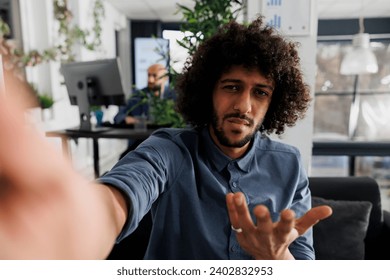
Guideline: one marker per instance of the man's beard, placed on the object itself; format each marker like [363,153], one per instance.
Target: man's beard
[155,88]
[224,140]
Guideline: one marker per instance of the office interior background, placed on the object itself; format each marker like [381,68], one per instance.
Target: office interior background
[331,27]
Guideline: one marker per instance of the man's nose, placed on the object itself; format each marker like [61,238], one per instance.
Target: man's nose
[242,102]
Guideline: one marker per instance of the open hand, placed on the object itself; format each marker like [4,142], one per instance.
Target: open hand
[267,240]
[47,210]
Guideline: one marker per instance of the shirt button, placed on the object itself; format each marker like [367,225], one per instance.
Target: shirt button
[234,184]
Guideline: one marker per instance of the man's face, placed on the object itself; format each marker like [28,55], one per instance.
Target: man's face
[156,77]
[241,98]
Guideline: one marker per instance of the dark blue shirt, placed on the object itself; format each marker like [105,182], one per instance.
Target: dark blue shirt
[183,177]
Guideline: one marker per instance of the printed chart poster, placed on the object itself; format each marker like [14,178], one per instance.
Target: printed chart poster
[291,17]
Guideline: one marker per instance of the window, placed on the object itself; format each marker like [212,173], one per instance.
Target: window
[333,94]
[178,54]
[333,98]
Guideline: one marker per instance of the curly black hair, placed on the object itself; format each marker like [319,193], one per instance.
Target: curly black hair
[253,46]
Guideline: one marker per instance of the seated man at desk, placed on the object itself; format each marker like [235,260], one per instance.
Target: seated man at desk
[138,104]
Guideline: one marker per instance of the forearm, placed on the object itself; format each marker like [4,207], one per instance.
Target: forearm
[120,117]
[114,219]
[131,120]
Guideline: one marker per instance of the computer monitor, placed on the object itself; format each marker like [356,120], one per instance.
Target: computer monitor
[93,83]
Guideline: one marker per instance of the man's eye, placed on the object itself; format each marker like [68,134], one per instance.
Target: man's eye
[231,87]
[259,92]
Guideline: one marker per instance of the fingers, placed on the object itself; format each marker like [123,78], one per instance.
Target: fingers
[233,217]
[287,222]
[240,218]
[238,212]
[281,230]
[312,217]
[263,217]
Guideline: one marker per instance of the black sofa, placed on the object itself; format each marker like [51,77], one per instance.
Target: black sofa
[358,228]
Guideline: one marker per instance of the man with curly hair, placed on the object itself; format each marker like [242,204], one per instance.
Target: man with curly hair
[220,189]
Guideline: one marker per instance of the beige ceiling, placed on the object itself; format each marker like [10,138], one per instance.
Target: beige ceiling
[164,10]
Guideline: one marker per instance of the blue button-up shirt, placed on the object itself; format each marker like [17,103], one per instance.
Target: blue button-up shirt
[183,177]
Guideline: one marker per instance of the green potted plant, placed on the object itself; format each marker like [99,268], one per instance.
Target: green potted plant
[163,113]
[202,20]
[45,101]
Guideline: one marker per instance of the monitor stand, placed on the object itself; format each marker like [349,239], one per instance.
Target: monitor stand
[86,126]
[86,92]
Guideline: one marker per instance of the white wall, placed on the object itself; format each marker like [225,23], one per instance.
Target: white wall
[39,31]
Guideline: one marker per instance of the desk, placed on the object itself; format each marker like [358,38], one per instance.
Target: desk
[352,149]
[110,133]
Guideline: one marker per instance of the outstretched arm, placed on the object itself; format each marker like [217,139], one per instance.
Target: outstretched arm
[47,210]
[267,240]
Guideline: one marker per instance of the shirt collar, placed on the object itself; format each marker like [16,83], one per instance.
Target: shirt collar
[220,160]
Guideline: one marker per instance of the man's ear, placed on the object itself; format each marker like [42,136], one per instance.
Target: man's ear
[163,76]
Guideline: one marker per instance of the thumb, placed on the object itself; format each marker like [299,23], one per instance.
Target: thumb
[312,217]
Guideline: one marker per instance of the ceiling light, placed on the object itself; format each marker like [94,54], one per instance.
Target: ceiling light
[385,80]
[361,59]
